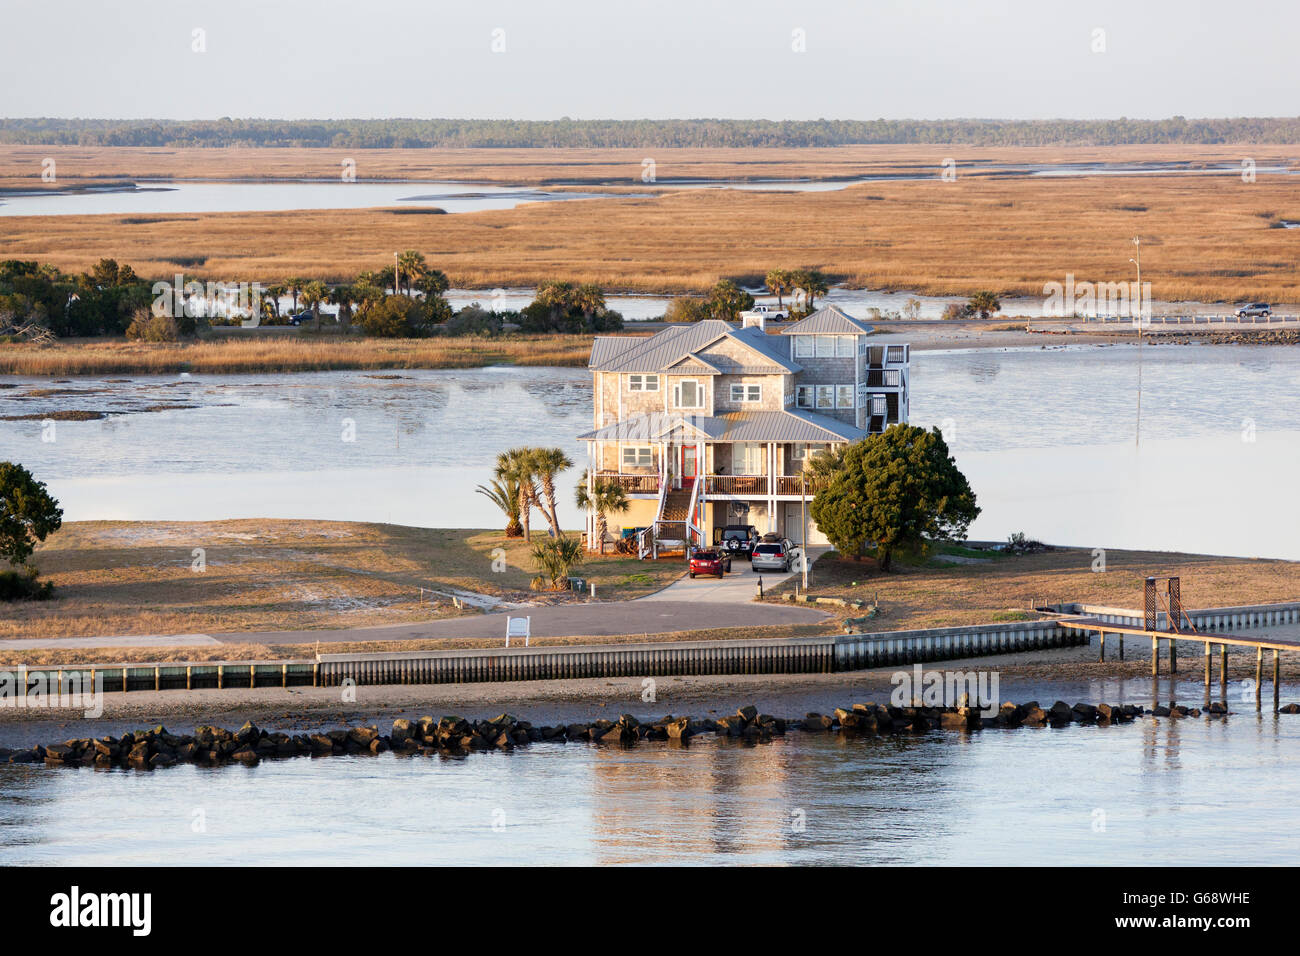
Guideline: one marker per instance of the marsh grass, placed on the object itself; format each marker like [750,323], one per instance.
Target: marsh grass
[278,354]
[1206,238]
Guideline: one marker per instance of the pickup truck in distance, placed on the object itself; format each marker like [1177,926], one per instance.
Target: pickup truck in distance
[767,312]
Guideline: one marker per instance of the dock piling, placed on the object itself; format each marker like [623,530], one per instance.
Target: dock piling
[1276,669]
[1223,672]
[1259,677]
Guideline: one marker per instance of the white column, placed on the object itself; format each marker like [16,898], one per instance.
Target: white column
[771,486]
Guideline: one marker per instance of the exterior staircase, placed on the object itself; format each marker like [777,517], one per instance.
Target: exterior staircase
[677,506]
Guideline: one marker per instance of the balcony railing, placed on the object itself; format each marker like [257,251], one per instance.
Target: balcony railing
[737,485]
[790,484]
[886,378]
[632,484]
[753,486]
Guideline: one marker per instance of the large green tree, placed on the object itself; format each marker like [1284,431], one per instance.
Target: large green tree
[27,513]
[895,490]
[727,300]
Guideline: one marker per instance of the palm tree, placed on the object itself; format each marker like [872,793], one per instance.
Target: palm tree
[589,298]
[517,465]
[433,282]
[778,283]
[547,463]
[295,288]
[505,495]
[823,467]
[313,293]
[410,264]
[603,497]
[557,557]
[345,297]
[275,290]
[813,284]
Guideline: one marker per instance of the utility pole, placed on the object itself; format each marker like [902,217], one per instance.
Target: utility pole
[1137,242]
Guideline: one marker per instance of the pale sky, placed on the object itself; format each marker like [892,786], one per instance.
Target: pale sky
[926,59]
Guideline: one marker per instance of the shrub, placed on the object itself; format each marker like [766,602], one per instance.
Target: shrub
[394,317]
[147,327]
[686,309]
[21,585]
[473,320]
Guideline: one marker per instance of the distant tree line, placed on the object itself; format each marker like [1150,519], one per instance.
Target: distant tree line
[645,133]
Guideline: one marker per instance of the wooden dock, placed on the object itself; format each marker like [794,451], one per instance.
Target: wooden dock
[1208,639]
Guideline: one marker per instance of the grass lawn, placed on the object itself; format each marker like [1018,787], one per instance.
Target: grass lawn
[122,577]
[932,593]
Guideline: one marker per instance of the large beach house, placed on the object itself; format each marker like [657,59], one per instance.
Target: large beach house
[707,425]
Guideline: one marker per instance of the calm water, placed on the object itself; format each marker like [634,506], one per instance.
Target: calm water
[1045,436]
[1123,795]
[173,196]
[857,302]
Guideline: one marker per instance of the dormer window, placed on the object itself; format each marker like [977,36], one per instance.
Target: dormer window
[688,393]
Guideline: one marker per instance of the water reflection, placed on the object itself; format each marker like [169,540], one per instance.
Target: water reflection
[1024,797]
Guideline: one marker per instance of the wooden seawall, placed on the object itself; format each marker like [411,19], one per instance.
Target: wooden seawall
[796,655]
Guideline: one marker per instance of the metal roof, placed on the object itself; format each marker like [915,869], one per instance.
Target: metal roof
[661,351]
[829,320]
[787,425]
[784,426]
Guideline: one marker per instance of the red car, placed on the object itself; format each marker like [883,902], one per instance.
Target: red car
[709,562]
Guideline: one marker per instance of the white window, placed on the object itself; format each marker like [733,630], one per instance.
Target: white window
[844,346]
[825,346]
[825,396]
[637,456]
[746,393]
[805,451]
[843,396]
[804,396]
[803,346]
[688,393]
[747,458]
[643,383]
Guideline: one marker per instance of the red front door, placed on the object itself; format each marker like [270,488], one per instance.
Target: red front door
[688,464]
